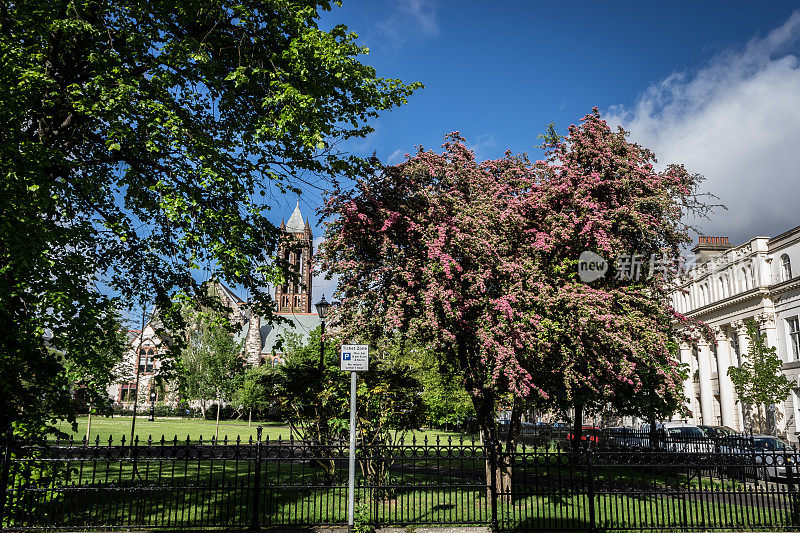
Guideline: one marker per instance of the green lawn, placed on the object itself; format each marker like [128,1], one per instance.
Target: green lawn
[425,487]
[220,492]
[194,428]
[183,428]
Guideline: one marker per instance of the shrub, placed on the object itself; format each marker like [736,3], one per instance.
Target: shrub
[227,412]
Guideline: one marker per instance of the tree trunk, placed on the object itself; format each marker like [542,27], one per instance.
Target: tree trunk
[216,429]
[249,417]
[484,409]
[506,457]
[577,428]
[653,436]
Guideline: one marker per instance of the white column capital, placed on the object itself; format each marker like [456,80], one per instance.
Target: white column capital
[740,326]
[766,320]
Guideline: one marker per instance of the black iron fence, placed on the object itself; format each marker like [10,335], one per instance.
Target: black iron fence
[262,483]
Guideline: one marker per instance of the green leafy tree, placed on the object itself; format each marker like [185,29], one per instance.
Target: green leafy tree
[758,381]
[447,403]
[389,404]
[91,382]
[313,398]
[316,401]
[142,140]
[257,391]
[212,363]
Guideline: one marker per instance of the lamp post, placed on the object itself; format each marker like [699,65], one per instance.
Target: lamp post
[152,404]
[322,310]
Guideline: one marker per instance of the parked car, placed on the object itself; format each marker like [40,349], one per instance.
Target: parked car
[719,431]
[588,433]
[768,457]
[685,438]
[775,454]
[620,437]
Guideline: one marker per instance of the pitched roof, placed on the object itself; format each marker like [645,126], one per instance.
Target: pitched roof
[296,224]
[301,324]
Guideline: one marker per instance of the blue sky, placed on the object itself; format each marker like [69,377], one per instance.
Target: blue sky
[714,85]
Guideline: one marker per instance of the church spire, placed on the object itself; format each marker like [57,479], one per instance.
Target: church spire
[297,249]
[296,224]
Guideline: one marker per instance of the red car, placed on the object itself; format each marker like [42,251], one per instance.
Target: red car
[590,433]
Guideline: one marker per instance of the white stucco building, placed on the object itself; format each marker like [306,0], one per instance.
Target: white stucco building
[728,285]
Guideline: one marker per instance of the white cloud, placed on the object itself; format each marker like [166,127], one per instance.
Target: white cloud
[396,157]
[483,146]
[410,19]
[737,122]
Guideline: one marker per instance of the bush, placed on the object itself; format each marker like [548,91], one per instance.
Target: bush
[160,411]
[227,412]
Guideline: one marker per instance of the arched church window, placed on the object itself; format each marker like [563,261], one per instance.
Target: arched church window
[146,356]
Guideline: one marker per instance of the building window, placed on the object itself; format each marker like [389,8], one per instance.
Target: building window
[786,268]
[146,360]
[793,325]
[128,392]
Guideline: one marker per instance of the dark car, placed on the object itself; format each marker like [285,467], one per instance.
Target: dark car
[719,431]
[769,455]
[620,437]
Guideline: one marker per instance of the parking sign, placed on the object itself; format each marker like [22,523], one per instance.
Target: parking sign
[354,357]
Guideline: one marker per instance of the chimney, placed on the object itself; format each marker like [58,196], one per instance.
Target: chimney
[707,247]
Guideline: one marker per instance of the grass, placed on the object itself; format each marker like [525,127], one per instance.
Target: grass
[206,492]
[424,489]
[193,428]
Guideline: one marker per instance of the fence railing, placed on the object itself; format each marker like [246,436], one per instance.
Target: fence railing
[267,483]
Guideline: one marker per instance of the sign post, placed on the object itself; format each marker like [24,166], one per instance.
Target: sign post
[354,358]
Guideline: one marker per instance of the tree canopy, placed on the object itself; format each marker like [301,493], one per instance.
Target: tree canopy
[143,140]
[478,261]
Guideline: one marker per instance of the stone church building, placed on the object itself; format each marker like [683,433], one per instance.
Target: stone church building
[294,303]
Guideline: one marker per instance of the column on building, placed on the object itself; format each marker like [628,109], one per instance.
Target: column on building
[766,323]
[704,373]
[688,383]
[744,346]
[727,404]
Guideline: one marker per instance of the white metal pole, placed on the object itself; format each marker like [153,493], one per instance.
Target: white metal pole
[351,478]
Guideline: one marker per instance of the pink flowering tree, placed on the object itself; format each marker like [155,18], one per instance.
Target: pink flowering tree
[479,261]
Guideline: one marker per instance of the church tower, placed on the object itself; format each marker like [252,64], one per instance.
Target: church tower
[297,249]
